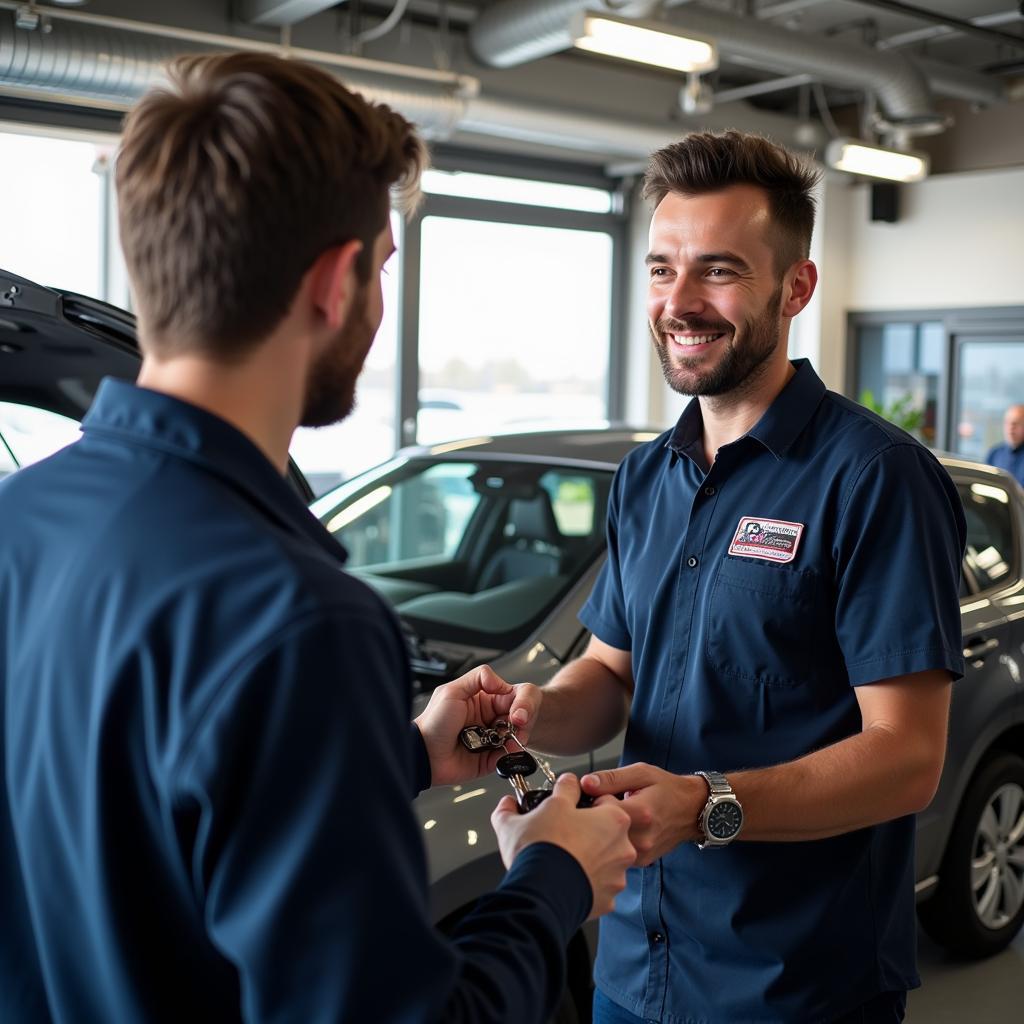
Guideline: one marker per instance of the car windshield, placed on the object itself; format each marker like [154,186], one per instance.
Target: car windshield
[474,552]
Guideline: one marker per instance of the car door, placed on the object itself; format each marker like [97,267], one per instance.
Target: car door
[988,697]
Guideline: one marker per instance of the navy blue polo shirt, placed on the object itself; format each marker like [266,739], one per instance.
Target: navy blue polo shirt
[207,761]
[820,552]
[1010,459]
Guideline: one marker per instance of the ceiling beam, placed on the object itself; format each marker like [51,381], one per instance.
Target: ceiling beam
[281,12]
[966,27]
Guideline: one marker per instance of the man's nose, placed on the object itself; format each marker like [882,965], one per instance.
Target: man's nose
[685,299]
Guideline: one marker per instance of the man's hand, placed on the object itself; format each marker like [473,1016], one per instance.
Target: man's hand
[477,698]
[596,836]
[663,808]
[525,709]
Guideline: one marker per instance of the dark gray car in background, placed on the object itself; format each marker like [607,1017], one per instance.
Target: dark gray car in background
[487,548]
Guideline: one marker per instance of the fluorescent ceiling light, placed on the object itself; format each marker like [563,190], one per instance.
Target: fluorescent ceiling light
[643,42]
[858,157]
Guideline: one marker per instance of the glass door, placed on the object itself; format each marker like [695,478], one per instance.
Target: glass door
[989,377]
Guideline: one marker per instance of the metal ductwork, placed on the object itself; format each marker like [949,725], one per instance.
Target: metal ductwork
[514,32]
[83,61]
[87,65]
[511,31]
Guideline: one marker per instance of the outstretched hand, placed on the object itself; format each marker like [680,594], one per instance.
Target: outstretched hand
[476,698]
[663,808]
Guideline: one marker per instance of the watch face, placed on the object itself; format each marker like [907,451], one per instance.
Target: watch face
[724,820]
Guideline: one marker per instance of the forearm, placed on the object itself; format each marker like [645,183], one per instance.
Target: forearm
[584,706]
[873,776]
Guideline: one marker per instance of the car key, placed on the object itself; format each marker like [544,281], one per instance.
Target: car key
[517,768]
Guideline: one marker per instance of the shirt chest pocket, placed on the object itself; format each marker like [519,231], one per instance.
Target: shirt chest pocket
[766,622]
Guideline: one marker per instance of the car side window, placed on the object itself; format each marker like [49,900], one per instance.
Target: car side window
[29,434]
[990,542]
[572,502]
[421,516]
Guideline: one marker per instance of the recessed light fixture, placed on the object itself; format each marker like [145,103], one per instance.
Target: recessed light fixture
[857,157]
[643,42]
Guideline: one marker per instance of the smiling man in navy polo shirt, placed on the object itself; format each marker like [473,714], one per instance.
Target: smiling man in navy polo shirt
[778,619]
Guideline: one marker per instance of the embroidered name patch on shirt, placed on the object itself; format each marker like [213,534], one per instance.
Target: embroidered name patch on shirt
[773,539]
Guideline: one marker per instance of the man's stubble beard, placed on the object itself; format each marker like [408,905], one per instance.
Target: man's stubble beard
[741,365]
[331,382]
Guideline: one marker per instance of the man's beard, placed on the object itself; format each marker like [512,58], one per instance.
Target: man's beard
[740,365]
[331,383]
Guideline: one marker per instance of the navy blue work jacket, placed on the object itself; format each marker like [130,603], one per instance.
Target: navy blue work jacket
[820,552]
[1010,459]
[207,761]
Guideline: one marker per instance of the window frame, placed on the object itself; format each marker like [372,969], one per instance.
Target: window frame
[991,321]
[615,224]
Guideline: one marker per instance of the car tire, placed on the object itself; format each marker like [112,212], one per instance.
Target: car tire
[978,906]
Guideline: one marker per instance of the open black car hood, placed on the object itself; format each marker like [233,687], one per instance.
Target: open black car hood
[56,347]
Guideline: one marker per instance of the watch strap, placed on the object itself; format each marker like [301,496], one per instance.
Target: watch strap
[717,783]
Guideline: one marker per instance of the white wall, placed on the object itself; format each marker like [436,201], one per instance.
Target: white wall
[959,242]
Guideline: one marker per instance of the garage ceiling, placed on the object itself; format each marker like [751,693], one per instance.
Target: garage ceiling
[786,63]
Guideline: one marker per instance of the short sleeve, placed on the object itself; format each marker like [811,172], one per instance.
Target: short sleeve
[898,549]
[604,613]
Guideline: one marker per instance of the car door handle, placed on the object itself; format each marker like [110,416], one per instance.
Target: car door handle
[979,648]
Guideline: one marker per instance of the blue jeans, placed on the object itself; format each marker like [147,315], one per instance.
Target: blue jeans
[887,1008]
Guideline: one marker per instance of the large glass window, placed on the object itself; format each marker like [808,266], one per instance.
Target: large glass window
[990,377]
[899,373]
[54,219]
[514,327]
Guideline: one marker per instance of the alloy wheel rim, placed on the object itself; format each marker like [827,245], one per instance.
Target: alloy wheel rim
[997,863]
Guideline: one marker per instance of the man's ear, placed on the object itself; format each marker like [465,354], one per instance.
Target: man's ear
[334,282]
[799,288]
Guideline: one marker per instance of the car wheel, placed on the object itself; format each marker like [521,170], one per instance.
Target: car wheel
[978,906]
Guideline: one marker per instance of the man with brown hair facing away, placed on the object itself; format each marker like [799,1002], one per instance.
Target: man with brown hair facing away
[778,620]
[206,745]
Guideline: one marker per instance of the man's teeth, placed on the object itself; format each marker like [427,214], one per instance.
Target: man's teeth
[696,339]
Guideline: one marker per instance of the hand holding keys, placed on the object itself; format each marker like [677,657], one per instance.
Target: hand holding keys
[515,766]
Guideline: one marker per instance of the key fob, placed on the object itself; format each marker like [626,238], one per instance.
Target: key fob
[476,738]
[519,763]
[534,797]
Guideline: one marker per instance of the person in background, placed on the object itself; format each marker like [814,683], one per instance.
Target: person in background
[1010,454]
[778,623]
[204,721]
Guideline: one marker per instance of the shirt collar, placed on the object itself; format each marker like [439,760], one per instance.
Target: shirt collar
[777,429]
[156,420]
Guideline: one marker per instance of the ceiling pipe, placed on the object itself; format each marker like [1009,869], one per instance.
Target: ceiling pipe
[510,31]
[513,32]
[111,70]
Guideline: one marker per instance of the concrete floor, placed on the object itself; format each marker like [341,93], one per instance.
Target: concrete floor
[954,992]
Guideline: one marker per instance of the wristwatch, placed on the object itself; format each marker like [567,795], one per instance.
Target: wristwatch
[722,817]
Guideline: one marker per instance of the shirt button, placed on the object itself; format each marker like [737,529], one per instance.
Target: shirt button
[657,938]
[709,491]
[692,562]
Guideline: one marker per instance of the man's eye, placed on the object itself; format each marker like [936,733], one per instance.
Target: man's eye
[659,271]
[719,272]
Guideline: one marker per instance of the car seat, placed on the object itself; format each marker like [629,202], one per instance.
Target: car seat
[531,544]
